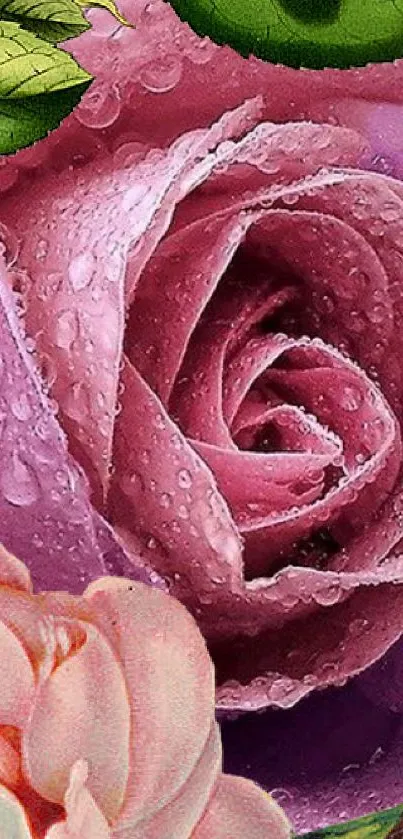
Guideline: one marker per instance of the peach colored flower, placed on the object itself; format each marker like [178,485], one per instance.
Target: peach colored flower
[107,726]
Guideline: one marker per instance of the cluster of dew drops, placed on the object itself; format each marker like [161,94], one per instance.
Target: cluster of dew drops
[131,67]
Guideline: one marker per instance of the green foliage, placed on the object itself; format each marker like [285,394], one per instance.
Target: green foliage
[387,824]
[40,84]
[302,33]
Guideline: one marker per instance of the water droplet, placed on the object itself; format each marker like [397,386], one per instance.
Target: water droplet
[161,74]
[47,369]
[30,345]
[281,688]
[128,154]
[21,408]
[3,422]
[159,422]
[176,442]
[81,270]
[130,482]
[11,244]
[328,595]
[360,209]
[49,286]
[165,500]
[378,313]
[183,512]
[199,50]
[42,249]
[351,398]
[99,108]
[398,237]
[66,329]
[326,304]
[291,198]
[184,479]
[19,483]
[76,403]
[358,626]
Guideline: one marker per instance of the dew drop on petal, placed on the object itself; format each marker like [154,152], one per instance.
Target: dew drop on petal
[128,154]
[42,249]
[20,407]
[351,398]
[47,369]
[76,402]
[328,595]
[165,500]
[161,74]
[199,50]
[99,108]
[66,329]
[81,270]
[19,483]
[377,314]
[358,626]
[184,479]
[11,245]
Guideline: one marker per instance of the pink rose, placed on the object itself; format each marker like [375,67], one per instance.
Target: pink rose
[107,720]
[219,324]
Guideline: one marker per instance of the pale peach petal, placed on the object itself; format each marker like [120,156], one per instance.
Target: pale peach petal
[81,711]
[170,680]
[240,809]
[83,817]
[16,679]
[13,821]
[13,572]
[22,614]
[180,815]
[10,764]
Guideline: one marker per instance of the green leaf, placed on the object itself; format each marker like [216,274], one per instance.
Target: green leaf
[302,33]
[30,66]
[55,20]
[52,20]
[387,824]
[39,86]
[109,5]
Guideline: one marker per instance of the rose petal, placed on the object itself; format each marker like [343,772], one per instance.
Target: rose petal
[46,518]
[239,808]
[74,291]
[174,501]
[16,677]
[84,818]
[287,665]
[10,763]
[180,815]
[170,682]
[196,275]
[13,572]
[81,712]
